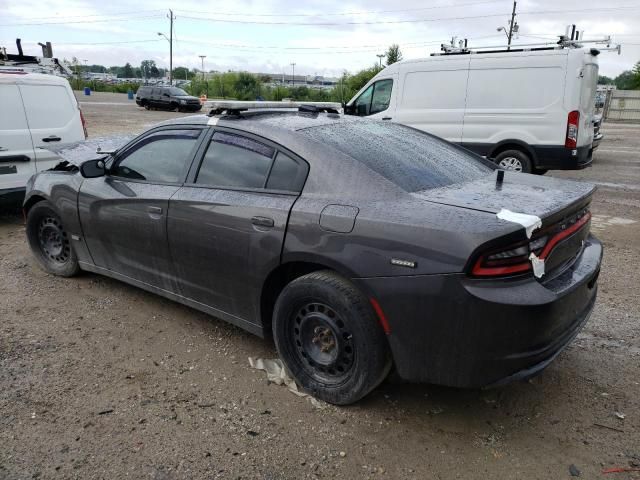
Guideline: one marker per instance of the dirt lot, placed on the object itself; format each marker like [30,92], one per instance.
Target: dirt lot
[102,380]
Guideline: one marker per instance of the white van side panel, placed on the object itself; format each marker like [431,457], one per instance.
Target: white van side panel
[432,96]
[516,97]
[52,112]
[16,150]
[583,67]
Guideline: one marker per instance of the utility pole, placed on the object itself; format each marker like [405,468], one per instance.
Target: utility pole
[293,74]
[380,57]
[512,24]
[171,17]
[202,57]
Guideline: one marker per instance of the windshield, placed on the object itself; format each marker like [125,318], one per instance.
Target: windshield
[411,159]
[177,92]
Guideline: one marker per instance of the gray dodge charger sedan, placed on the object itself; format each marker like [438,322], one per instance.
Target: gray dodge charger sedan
[359,245]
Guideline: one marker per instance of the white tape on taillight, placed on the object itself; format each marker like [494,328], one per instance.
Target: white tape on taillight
[529,222]
[537,264]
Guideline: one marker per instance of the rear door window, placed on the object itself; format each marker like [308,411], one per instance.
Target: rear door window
[287,174]
[235,161]
[48,106]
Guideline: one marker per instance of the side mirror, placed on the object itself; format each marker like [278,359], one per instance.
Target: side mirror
[348,109]
[93,169]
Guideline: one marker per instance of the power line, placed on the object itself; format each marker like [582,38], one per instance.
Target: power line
[373,12]
[300,23]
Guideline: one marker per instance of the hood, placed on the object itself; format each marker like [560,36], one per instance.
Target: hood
[79,152]
[536,195]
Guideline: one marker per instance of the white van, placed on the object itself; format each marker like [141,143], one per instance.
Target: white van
[35,110]
[528,110]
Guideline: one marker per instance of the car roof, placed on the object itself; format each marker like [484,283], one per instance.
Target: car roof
[284,128]
[31,78]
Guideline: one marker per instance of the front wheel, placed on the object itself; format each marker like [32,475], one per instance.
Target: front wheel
[50,242]
[514,160]
[328,336]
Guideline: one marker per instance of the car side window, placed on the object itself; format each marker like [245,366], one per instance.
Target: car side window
[363,102]
[235,161]
[287,174]
[161,157]
[381,96]
[374,99]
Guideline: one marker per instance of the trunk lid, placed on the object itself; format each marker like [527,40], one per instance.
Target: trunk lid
[559,204]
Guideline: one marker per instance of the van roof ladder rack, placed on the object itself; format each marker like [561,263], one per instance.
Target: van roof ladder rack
[575,41]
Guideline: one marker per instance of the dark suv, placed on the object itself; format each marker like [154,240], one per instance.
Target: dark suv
[166,97]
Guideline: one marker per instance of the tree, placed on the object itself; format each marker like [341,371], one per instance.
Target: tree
[127,71]
[182,73]
[246,86]
[604,80]
[394,54]
[149,68]
[635,84]
[625,81]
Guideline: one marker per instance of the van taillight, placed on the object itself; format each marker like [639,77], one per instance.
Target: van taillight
[84,125]
[573,120]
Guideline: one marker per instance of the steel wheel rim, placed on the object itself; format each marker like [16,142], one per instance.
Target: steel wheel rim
[323,343]
[53,240]
[511,164]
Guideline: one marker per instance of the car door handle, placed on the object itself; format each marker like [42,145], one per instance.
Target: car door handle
[51,138]
[262,222]
[155,210]
[386,118]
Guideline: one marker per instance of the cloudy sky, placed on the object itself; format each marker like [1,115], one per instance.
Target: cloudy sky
[322,37]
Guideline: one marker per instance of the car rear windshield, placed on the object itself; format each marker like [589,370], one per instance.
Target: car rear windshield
[411,159]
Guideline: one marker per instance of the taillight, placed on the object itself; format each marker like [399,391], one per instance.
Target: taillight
[573,121]
[84,125]
[514,258]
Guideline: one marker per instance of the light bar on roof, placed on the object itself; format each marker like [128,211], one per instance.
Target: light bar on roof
[238,105]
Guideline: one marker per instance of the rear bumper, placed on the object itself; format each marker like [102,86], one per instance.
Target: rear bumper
[462,332]
[596,141]
[561,158]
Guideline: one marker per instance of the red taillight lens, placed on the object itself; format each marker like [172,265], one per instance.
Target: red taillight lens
[515,258]
[84,125]
[573,123]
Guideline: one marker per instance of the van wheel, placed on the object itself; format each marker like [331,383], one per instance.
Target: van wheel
[514,161]
[50,242]
[328,337]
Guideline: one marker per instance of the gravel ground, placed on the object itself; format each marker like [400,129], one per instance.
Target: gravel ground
[101,380]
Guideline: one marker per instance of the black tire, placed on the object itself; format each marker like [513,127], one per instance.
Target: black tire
[514,160]
[540,171]
[174,107]
[146,105]
[328,337]
[49,242]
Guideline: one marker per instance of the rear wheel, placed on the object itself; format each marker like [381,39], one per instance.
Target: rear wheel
[328,336]
[146,105]
[514,160]
[50,242]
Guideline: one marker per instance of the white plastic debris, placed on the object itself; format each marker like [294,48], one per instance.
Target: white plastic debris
[537,264]
[619,415]
[529,222]
[277,373]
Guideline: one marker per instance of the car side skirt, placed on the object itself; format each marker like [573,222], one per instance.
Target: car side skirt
[237,321]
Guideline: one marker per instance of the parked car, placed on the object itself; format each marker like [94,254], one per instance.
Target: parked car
[597,134]
[168,98]
[528,111]
[601,98]
[358,244]
[37,110]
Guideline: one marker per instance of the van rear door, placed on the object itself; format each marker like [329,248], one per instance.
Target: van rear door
[16,149]
[588,84]
[53,117]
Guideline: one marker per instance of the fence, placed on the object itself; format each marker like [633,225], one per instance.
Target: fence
[622,106]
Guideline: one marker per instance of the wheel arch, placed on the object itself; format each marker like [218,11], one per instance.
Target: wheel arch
[31,201]
[519,145]
[281,276]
